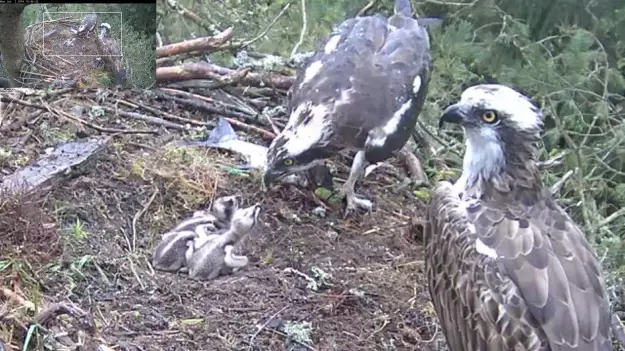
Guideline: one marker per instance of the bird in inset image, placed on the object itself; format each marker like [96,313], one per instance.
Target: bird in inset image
[87,25]
[111,55]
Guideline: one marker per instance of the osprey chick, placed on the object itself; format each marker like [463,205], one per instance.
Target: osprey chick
[87,24]
[363,91]
[507,267]
[109,48]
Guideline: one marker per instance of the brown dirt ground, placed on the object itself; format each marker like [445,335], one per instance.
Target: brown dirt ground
[375,299]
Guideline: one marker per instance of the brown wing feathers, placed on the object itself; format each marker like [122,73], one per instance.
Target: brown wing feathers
[544,289]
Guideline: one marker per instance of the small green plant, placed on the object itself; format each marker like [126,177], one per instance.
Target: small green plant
[78,230]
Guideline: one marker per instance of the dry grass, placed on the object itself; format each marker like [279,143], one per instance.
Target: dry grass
[27,229]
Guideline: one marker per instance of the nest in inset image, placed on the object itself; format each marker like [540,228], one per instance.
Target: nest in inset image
[58,57]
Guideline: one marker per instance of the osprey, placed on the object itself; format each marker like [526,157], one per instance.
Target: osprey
[507,267]
[87,24]
[110,52]
[362,91]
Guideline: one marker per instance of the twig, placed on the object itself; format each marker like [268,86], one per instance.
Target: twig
[274,127]
[138,215]
[617,329]
[203,70]
[167,115]
[302,33]
[264,133]
[611,218]
[54,310]
[367,7]
[262,327]
[91,125]
[557,186]
[188,14]
[436,138]
[264,32]
[12,295]
[134,272]
[206,44]
[552,162]
[203,106]
[149,119]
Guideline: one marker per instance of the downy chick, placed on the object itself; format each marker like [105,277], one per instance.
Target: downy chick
[200,218]
[169,255]
[224,207]
[210,257]
[220,214]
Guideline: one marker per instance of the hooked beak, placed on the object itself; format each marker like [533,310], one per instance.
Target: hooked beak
[234,200]
[456,114]
[271,176]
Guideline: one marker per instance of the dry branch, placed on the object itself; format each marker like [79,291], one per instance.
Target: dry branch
[145,118]
[203,70]
[201,104]
[206,44]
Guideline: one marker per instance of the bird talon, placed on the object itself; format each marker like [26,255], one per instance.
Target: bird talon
[354,202]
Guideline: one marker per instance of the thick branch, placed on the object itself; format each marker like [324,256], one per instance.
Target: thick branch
[203,70]
[201,44]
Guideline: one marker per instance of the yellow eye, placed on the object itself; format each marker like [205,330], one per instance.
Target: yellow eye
[289,162]
[489,117]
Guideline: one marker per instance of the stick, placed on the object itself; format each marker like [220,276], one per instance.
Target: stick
[138,215]
[274,127]
[262,327]
[168,115]
[203,70]
[302,33]
[149,119]
[209,44]
[203,106]
[264,32]
[97,127]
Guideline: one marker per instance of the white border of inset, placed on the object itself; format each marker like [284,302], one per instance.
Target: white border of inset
[121,37]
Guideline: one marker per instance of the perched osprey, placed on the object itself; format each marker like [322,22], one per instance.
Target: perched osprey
[110,52]
[507,267]
[87,24]
[362,91]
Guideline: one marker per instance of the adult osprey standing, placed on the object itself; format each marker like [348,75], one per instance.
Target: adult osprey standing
[363,91]
[507,267]
[109,48]
[87,24]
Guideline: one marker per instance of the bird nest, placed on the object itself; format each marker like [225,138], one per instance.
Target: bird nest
[57,57]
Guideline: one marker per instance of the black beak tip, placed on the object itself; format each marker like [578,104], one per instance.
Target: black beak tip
[267,180]
[441,123]
[452,114]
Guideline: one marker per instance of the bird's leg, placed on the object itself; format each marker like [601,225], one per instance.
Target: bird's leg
[347,189]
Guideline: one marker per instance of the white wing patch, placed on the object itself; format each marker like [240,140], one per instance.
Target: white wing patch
[312,71]
[416,85]
[485,250]
[332,44]
[302,137]
[378,138]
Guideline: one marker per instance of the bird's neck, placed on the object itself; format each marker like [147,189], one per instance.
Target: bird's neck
[489,168]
